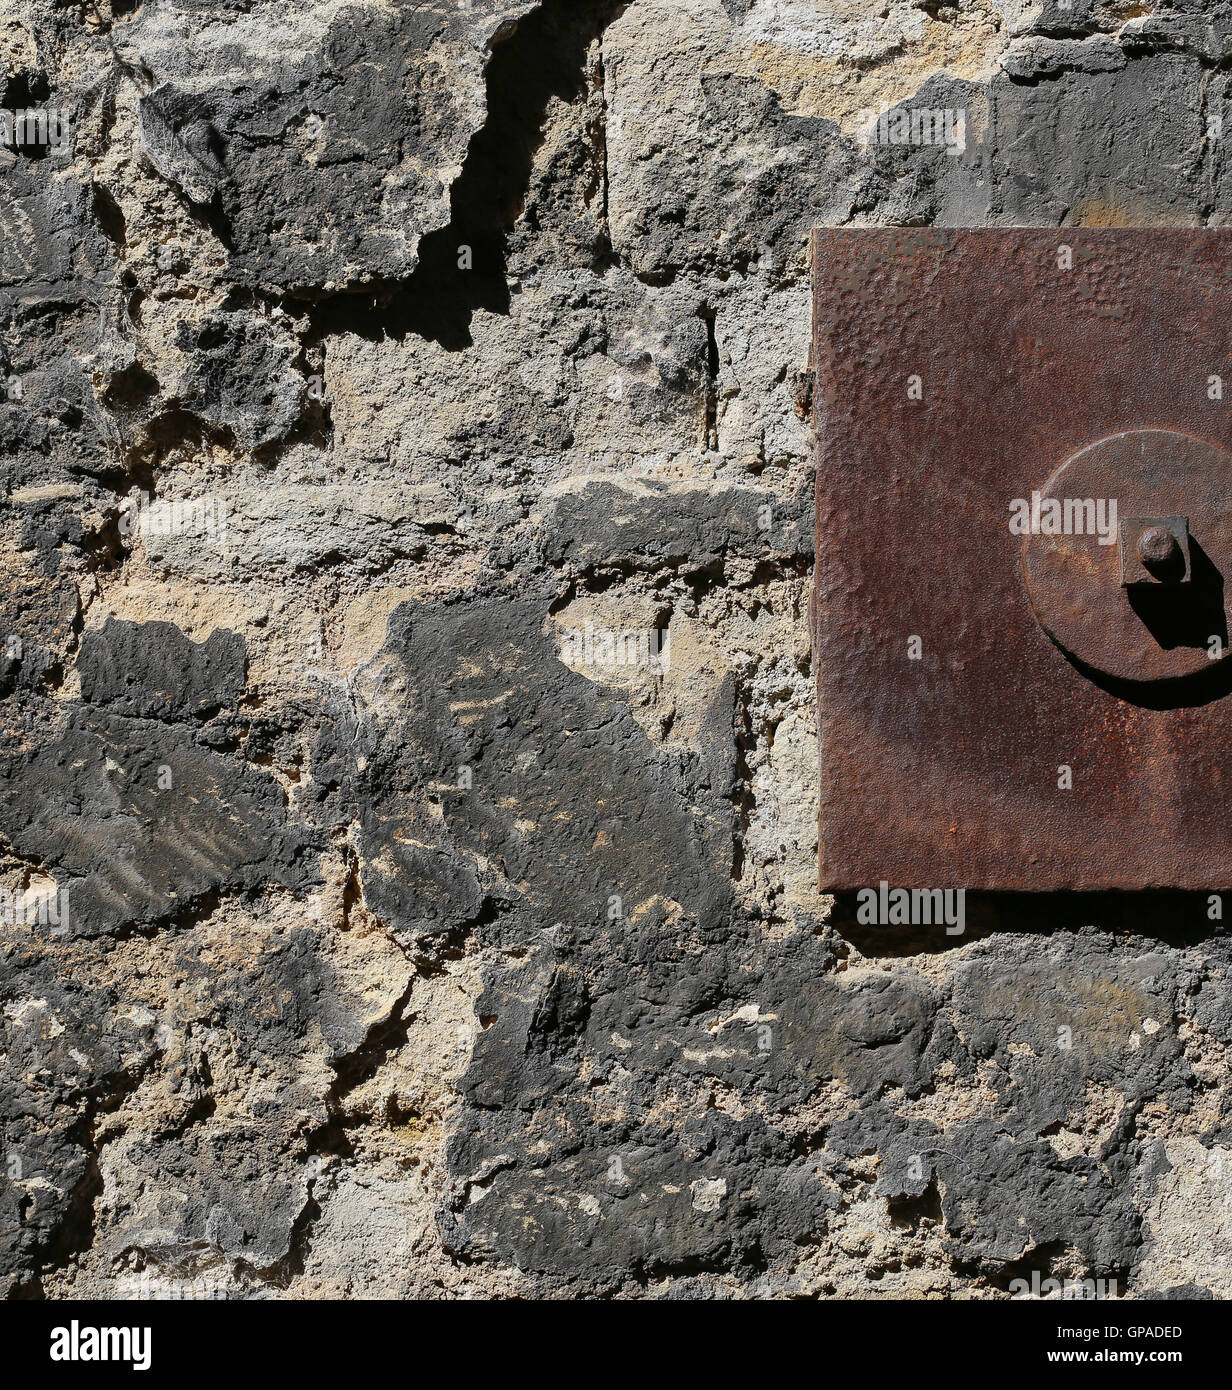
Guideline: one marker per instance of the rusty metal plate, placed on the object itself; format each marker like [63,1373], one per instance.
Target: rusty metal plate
[1004,704]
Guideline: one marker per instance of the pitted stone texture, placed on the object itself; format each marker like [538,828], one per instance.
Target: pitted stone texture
[334,154]
[452,961]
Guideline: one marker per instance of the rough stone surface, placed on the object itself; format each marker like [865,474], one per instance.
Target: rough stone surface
[409,949]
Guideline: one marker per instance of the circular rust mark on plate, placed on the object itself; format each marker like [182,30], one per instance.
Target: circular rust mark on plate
[1148,632]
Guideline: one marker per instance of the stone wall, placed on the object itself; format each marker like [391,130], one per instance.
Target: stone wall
[407,800]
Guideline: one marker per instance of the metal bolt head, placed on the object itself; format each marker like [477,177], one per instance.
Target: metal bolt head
[1157,547]
[1154,550]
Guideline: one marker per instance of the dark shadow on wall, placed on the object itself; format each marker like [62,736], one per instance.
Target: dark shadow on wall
[1173,918]
[544,57]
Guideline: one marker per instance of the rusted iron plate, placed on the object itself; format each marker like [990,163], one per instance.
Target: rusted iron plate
[958,371]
